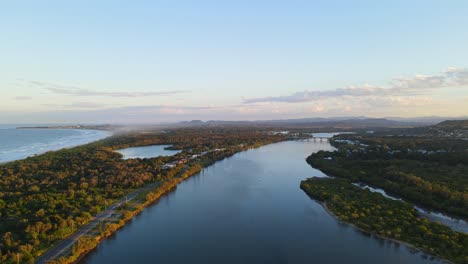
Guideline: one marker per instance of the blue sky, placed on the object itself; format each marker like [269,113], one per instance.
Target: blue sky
[159,61]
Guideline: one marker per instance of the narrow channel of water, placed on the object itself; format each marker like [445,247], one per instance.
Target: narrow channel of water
[248,209]
[147,152]
[455,224]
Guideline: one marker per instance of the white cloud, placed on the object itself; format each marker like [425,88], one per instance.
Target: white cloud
[75,91]
[417,85]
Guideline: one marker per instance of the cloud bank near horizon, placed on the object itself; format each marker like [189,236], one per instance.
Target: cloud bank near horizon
[76,91]
[415,86]
[419,95]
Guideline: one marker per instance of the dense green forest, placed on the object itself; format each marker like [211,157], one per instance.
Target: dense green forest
[45,198]
[429,171]
[393,219]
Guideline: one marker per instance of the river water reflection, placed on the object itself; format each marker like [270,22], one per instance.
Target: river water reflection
[247,209]
[147,152]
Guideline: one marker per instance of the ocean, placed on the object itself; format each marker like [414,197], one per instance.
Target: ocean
[18,144]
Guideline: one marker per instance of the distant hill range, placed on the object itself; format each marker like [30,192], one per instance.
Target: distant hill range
[447,129]
[413,126]
[450,128]
[452,124]
[339,123]
[333,123]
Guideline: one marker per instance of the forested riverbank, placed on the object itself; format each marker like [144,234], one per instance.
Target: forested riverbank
[428,171]
[378,215]
[424,169]
[45,199]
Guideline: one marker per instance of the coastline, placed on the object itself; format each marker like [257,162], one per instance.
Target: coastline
[100,135]
[324,205]
[84,127]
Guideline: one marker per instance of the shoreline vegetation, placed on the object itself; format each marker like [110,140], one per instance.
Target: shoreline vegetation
[88,243]
[324,205]
[388,219]
[424,166]
[47,198]
[426,171]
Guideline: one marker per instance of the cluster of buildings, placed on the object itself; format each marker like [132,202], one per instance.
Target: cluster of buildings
[350,142]
[274,133]
[456,132]
[173,164]
[378,148]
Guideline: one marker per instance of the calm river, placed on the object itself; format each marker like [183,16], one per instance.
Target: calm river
[247,209]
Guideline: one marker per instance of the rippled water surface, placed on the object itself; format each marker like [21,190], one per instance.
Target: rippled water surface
[20,143]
